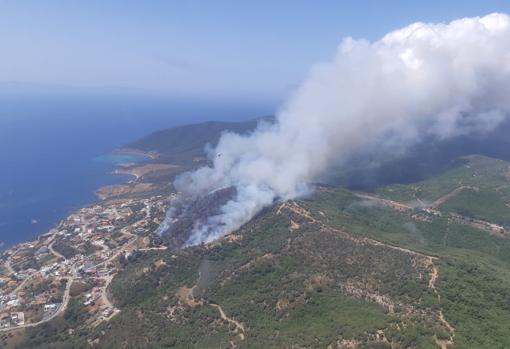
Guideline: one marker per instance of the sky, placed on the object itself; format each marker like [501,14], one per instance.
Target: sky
[257,50]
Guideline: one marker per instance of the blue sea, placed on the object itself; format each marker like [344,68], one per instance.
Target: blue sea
[55,151]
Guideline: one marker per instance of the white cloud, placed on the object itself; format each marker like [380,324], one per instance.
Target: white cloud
[437,80]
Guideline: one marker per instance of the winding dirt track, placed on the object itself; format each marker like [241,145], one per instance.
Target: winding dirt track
[239,326]
[295,208]
[434,270]
[438,202]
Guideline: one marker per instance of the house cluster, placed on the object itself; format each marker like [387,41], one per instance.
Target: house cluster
[96,304]
[35,277]
[12,319]
[38,301]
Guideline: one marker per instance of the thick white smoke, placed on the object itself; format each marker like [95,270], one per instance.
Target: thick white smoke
[423,80]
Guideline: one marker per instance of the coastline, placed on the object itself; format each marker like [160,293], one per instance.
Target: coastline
[133,151]
[90,240]
[135,169]
[94,198]
[139,170]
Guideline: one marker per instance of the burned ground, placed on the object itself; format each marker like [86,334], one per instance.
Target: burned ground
[187,214]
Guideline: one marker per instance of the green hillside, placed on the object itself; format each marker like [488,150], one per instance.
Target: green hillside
[183,144]
[334,270]
[409,266]
[479,189]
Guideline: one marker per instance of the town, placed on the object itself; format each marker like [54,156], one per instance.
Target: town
[78,258]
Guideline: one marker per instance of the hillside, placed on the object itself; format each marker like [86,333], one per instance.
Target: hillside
[340,269]
[419,265]
[171,151]
[186,144]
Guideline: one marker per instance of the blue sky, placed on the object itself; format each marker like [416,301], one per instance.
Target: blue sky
[238,49]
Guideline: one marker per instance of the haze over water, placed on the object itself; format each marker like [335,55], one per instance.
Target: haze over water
[54,151]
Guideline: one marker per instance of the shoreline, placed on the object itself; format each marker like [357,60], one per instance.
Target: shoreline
[132,151]
[138,170]
[136,185]
[95,198]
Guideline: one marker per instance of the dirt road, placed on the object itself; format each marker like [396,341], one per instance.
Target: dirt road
[239,326]
[385,202]
[438,202]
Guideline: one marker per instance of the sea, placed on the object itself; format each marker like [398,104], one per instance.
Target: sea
[56,151]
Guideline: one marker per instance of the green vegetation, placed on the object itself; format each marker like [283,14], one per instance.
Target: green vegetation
[484,204]
[65,249]
[474,278]
[476,171]
[475,298]
[283,286]
[357,272]
[56,334]
[182,145]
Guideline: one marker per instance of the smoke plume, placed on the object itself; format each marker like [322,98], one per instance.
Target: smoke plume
[424,80]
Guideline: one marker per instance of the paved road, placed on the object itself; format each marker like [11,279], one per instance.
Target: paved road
[8,266]
[58,255]
[60,310]
[163,248]
[20,286]
[116,254]
[66,297]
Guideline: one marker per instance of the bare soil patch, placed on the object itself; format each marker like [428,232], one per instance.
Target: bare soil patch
[140,171]
[109,191]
